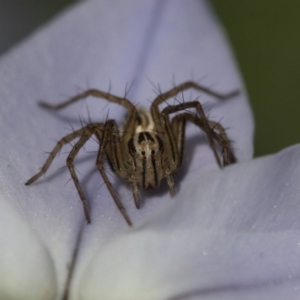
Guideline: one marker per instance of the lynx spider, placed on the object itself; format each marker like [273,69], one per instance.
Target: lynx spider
[150,146]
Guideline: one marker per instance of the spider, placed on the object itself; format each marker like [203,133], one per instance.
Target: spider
[149,147]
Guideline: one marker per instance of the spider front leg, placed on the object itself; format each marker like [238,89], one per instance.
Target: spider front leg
[111,146]
[178,126]
[65,140]
[193,104]
[84,134]
[221,137]
[223,141]
[180,88]
[70,165]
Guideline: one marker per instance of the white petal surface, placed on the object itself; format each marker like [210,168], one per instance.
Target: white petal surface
[231,234]
[21,252]
[101,42]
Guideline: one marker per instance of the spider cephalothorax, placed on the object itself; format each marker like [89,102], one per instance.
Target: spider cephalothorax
[148,148]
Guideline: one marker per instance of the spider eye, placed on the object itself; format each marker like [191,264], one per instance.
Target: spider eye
[153,152]
[143,152]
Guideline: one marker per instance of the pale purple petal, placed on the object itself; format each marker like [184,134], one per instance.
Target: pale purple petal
[23,256]
[238,239]
[93,45]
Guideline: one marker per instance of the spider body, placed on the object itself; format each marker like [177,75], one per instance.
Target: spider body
[148,148]
[147,163]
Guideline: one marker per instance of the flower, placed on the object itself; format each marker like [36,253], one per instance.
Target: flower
[228,233]
[238,239]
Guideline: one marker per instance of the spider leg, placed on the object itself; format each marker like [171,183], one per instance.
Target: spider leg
[111,142]
[222,139]
[161,122]
[171,184]
[65,140]
[190,84]
[180,88]
[83,139]
[178,128]
[91,92]
[115,155]
[135,193]
[192,104]
[185,86]
[220,136]
[132,114]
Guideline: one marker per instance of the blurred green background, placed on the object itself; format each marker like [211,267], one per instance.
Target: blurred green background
[265,35]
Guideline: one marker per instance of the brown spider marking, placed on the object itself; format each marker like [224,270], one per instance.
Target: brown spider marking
[149,147]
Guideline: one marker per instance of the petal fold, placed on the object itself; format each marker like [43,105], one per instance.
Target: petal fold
[27,269]
[232,234]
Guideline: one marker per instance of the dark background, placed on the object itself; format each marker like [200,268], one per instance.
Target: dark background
[266,39]
[265,35]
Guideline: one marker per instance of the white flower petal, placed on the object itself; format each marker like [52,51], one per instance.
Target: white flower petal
[231,234]
[100,42]
[27,270]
